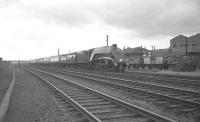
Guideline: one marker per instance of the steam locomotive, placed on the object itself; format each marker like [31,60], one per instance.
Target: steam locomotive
[110,58]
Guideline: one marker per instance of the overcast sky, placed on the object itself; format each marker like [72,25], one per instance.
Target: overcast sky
[37,28]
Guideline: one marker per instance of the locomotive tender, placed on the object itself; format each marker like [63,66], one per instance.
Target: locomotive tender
[102,58]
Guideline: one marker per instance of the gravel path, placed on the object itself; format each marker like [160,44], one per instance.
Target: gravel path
[31,101]
[5,80]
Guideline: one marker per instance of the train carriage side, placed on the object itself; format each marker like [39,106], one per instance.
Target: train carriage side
[82,59]
[71,60]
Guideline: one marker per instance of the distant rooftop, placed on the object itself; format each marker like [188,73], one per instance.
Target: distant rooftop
[160,52]
[190,37]
[135,50]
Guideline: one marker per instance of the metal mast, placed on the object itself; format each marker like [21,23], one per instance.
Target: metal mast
[107,39]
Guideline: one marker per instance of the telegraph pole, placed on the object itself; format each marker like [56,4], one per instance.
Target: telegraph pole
[186,43]
[59,54]
[107,39]
[152,47]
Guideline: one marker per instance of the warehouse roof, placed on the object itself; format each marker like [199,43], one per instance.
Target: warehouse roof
[160,52]
[195,37]
[178,38]
[135,50]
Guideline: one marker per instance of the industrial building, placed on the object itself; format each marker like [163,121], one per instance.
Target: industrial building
[182,45]
[183,52]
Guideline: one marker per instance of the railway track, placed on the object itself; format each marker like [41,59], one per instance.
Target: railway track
[167,77]
[179,99]
[147,74]
[96,106]
[183,77]
[189,84]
